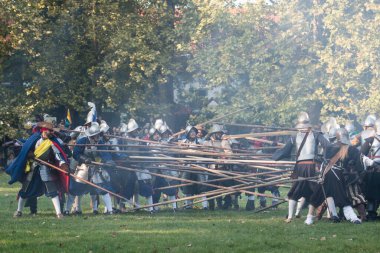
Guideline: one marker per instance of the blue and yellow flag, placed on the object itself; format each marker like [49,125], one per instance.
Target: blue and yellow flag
[68,120]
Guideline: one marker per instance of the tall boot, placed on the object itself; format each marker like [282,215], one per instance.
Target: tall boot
[321,210]
[371,211]
[250,206]
[219,203]
[211,204]
[263,202]
[227,202]
[362,213]
[235,202]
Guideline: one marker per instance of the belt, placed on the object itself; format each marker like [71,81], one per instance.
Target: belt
[306,162]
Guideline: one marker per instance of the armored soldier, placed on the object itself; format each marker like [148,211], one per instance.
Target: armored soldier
[371,148]
[306,143]
[165,137]
[215,139]
[189,190]
[84,154]
[39,178]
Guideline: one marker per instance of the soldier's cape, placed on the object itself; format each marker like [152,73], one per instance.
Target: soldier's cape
[17,168]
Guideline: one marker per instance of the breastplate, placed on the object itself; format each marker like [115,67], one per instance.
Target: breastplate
[308,150]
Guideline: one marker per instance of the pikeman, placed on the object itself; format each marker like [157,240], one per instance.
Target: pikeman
[305,142]
[130,130]
[165,137]
[201,135]
[189,190]
[329,129]
[37,178]
[352,131]
[215,139]
[145,180]
[368,131]
[341,160]
[116,176]
[250,206]
[84,154]
[371,148]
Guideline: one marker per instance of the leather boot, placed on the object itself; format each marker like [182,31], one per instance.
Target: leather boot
[362,213]
[227,202]
[250,205]
[211,204]
[321,210]
[219,203]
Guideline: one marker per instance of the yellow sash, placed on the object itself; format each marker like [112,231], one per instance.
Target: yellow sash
[39,151]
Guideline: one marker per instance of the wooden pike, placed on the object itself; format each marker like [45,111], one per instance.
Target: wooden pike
[257,126]
[243,189]
[225,192]
[158,152]
[78,178]
[268,207]
[221,191]
[264,141]
[266,134]
[215,160]
[212,120]
[252,175]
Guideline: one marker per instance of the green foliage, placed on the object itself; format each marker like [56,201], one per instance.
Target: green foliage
[185,231]
[129,56]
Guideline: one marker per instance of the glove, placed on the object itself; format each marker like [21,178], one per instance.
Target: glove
[320,180]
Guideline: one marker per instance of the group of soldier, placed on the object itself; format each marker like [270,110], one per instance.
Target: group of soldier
[335,167]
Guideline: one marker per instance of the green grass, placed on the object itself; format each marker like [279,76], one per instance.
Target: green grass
[186,231]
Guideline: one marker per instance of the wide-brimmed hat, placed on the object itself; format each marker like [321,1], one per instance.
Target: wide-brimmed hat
[93,130]
[46,125]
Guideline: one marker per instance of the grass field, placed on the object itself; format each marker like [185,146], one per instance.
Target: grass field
[185,231]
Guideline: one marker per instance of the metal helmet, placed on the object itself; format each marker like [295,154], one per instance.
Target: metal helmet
[123,128]
[164,128]
[132,126]
[350,127]
[189,128]
[303,121]
[152,131]
[377,126]
[332,126]
[216,129]
[342,136]
[93,130]
[104,127]
[370,121]
[158,124]
[234,142]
